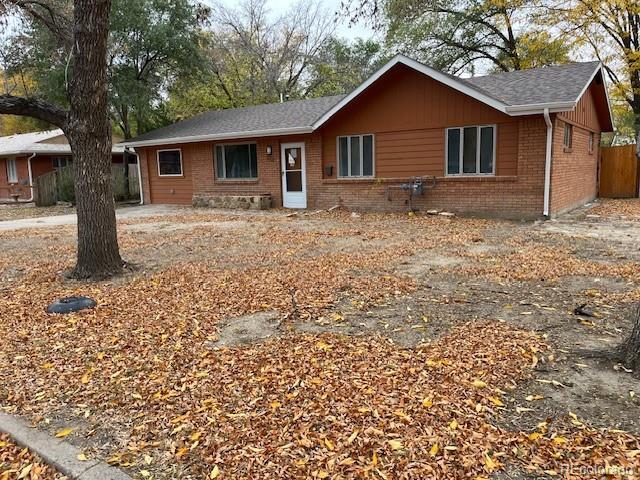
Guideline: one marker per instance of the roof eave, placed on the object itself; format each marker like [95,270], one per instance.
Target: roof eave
[219,136]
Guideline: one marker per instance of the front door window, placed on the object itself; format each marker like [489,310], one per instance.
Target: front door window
[293,169]
[294,193]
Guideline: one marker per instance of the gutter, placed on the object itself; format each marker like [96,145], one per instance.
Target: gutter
[31,176]
[536,109]
[139,176]
[547,163]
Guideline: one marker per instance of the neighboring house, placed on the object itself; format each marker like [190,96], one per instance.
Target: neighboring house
[26,156]
[518,144]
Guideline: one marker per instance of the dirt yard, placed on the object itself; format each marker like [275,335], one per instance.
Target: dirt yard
[333,345]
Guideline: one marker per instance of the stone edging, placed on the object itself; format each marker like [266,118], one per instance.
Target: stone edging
[58,453]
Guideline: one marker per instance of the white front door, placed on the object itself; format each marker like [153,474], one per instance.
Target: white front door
[294,179]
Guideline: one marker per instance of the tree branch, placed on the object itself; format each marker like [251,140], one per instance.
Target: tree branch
[33,107]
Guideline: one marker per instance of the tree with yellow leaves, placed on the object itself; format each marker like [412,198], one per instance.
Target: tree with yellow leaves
[11,124]
[611,29]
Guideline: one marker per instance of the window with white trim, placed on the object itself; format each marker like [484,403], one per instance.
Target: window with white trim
[12,171]
[471,150]
[170,163]
[60,162]
[237,161]
[355,156]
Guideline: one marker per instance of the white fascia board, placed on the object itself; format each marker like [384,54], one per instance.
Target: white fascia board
[219,136]
[428,71]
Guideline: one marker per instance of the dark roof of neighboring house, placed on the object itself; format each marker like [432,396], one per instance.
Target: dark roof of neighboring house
[558,83]
[523,92]
[258,119]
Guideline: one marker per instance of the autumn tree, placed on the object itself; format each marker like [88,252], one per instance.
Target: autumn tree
[21,85]
[83,32]
[611,29]
[456,35]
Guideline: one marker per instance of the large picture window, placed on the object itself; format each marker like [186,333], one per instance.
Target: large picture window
[170,163]
[237,161]
[471,150]
[355,156]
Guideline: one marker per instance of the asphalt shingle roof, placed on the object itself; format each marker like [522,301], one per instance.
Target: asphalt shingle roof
[562,83]
[273,116]
[558,83]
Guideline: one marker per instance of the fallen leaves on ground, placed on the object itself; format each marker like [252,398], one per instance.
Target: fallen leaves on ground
[538,262]
[18,463]
[141,371]
[628,208]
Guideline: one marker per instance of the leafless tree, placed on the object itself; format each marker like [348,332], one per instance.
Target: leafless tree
[269,54]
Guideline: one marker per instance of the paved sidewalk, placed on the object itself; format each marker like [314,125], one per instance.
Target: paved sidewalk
[58,453]
[71,219]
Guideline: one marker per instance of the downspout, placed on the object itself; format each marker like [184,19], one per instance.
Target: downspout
[31,176]
[547,163]
[139,177]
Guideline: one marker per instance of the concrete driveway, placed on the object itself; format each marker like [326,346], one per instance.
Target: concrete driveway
[71,219]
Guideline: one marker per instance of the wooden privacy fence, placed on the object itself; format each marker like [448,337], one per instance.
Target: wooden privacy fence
[58,185]
[45,189]
[619,172]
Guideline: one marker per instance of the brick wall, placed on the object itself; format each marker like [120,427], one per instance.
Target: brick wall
[516,196]
[574,172]
[22,186]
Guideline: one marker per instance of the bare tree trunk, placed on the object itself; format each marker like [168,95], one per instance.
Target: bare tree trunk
[630,349]
[89,134]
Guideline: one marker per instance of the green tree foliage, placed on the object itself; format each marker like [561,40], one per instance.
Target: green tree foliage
[343,65]
[151,44]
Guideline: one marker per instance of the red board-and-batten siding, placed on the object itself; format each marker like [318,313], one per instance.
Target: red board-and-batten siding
[408,113]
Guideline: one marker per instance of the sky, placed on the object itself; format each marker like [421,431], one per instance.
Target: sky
[343,29]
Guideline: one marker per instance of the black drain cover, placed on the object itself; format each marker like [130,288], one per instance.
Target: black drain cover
[71,304]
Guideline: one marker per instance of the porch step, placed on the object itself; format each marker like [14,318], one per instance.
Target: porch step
[242,202]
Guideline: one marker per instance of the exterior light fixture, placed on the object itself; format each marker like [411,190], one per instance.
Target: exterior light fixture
[269,150]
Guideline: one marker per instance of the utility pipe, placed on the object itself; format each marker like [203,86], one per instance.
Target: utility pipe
[31,176]
[139,176]
[547,163]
